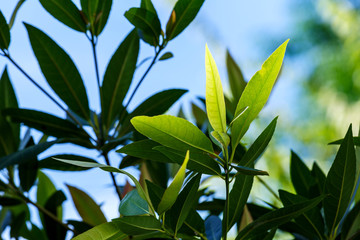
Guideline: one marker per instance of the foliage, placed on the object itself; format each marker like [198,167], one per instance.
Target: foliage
[154,142]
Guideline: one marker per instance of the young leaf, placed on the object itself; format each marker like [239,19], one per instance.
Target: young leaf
[170,194]
[198,161]
[340,182]
[147,22]
[215,102]
[236,79]
[51,163]
[222,139]
[256,93]
[132,204]
[276,218]
[89,211]
[66,12]
[300,174]
[157,104]
[59,71]
[182,15]
[105,231]
[166,56]
[46,123]
[259,146]
[213,228]
[4,33]
[136,225]
[118,76]
[172,132]
[103,12]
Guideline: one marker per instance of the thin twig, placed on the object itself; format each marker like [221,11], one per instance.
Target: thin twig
[13,15]
[118,191]
[268,188]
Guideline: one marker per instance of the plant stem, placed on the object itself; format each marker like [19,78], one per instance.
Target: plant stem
[118,191]
[268,188]
[226,210]
[13,15]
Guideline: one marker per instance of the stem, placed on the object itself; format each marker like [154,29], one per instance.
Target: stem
[268,188]
[226,210]
[13,15]
[118,191]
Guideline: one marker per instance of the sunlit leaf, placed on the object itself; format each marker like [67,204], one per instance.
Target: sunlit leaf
[118,76]
[105,231]
[4,33]
[132,204]
[89,211]
[171,193]
[222,139]
[256,93]
[59,71]
[136,225]
[172,132]
[51,163]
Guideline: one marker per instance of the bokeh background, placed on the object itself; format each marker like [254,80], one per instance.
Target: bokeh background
[316,96]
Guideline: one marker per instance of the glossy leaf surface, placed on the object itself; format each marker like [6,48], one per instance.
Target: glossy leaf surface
[51,163]
[105,231]
[256,93]
[59,71]
[132,204]
[136,225]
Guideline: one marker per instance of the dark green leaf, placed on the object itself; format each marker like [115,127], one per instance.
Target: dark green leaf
[66,12]
[79,226]
[300,174]
[215,207]
[89,211]
[166,56]
[155,193]
[276,218]
[132,204]
[338,142]
[199,161]
[213,228]
[158,172]
[319,178]
[46,123]
[51,163]
[103,12]
[172,132]
[311,221]
[256,94]
[118,76]
[147,22]
[199,114]
[236,78]
[250,171]
[259,146]
[183,14]
[24,155]
[147,4]
[340,182]
[351,224]
[6,201]
[157,104]
[136,225]
[4,33]
[238,197]
[28,171]
[105,231]
[59,71]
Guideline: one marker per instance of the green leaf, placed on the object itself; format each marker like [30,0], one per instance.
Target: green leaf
[171,193]
[24,155]
[172,132]
[256,93]
[59,71]
[351,224]
[155,192]
[157,104]
[166,56]
[311,221]
[301,177]
[147,4]
[147,22]
[340,182]
[199,115]
[89,211]
[236,79]
[238,197]
[277,217]
[51,163]
[105,231]
[28,171]
[183,14]
[132,204]
[46,123]
[66,12]
[184,203]
[97,13]
[249,171]
[215,102]
[6,201]
[136,225]
[259,145]
[198,161]
[213,228]
[222,139]
[118,76]
[4,33]
[320,179]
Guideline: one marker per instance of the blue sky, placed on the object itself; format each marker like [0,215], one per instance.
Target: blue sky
[241,26]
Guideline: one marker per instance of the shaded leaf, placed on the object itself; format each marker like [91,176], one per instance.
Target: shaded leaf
[79,226]
[250,171]
[183,14]
[4,33]
[351,224]
[51,163]
[89,211]
[300,174]
[6,201]
[235,76]
[96,13]
[155,193]
[132,204]
[215,102]
[172,132]
[213,228]
[166,56]
[59,71]
[136,225]
[256,93]
[147,4]
[66,12]
[28,171]
[105,231]
[340,182]
[118,76]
